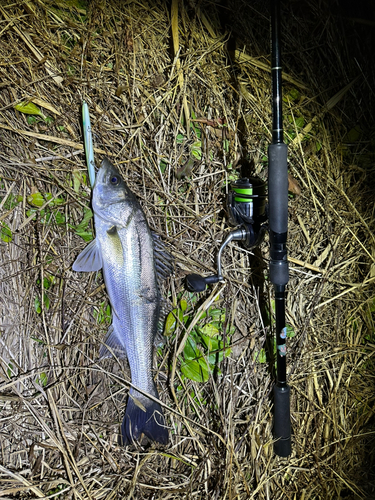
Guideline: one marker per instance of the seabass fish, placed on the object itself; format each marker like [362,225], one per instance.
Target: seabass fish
[133,260]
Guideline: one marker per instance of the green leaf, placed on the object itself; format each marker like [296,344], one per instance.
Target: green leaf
[29,108]
[6,233]
[36,199]
[85,235]
[30,212]
[210,330]
[290,333]
[10,369]
[294,94]
[57,201]
[59,217]
[43,379]
[46,301]
[37,340]
[217,314]
[183,305]
[191,351]
[47,283]
[180,139]
[195,370]
[197,153]
[196,128]
[300,122]
[77,180]
[218,355]
[353,135]
[163,165]
[171,321]
[31,120]
[38,305]
[260,356]
[12,201]
[38,309]
[45,216]
[103,314]
[85,221]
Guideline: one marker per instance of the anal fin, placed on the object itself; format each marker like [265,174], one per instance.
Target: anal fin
[112,345]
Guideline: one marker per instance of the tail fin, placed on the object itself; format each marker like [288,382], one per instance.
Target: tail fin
[148,420]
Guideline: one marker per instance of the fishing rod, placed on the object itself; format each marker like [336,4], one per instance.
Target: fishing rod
[278,230]
[247,211]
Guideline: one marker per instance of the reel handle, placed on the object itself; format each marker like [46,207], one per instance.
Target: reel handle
[197,283]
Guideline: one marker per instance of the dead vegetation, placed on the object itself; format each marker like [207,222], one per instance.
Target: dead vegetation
[147,71]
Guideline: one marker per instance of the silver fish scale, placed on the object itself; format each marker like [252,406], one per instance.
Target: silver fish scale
[131,283]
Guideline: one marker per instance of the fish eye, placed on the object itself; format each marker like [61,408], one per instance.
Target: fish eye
[115,180]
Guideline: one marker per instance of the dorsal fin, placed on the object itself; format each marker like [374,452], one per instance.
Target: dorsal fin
[164,262]
[164,266]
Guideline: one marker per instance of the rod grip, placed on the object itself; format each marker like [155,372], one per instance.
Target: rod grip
[282,427]
[278,187]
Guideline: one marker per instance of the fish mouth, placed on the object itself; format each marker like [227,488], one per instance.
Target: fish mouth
[106,169]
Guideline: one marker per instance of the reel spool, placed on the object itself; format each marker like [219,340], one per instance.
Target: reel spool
[247,207]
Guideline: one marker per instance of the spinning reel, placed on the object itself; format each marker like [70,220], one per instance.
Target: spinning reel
[246,204]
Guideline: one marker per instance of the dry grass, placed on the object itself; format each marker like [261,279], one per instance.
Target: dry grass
[60,408]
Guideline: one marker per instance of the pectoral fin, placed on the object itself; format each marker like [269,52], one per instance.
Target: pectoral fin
[90,259]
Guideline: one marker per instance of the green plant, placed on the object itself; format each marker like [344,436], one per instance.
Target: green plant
[5,232]
[49,214]
[204,349]
[32,110]
[47,284]
[102,314]
[82,229]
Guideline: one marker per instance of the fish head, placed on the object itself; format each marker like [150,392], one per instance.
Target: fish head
[111,196]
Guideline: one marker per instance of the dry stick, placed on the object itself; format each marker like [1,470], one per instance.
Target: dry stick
[307,173]
[354,236]
[26,38]
[24,481]
[45,428]
[351,289]
[70,458]
[176,48]
[342,192]
[51,138]
[241,58]
[328,106]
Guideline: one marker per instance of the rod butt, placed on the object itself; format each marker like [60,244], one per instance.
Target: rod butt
[282,427]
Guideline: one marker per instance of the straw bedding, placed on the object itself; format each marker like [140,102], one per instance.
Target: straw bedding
[147,71]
